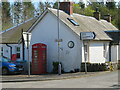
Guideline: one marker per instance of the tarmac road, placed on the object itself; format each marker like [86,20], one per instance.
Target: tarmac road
[105,80]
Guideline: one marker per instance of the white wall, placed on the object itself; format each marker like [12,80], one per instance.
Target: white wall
[6,50]
[46,32]
[119,52]
[114,52]
[96,53]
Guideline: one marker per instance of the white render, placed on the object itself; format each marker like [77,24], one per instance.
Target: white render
[115,49]
[97,53]
[46,32]
[119,52]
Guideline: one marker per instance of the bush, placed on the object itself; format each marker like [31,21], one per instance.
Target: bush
[55,67]
[93,67]
[118,65]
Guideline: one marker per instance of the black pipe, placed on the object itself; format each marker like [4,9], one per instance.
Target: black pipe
[110,51]
[23,44]
[10,50]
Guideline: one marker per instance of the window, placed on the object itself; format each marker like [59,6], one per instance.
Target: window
[18,52]
[104,49]
[73,22]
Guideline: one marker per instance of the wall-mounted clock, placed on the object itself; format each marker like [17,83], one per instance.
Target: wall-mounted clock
[71,44]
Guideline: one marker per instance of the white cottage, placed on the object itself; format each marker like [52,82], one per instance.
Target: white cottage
[44,29]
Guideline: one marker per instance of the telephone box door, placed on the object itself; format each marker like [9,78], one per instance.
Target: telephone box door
[39,59]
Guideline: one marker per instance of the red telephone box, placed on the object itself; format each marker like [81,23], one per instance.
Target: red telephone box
[39,58]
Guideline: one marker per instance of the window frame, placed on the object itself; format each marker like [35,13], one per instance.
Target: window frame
[18,55]
[73,22]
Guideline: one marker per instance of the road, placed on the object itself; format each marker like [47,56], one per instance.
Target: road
[105,80]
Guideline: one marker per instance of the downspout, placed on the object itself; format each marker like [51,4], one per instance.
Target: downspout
[110,51]
[10,50]
[23,44]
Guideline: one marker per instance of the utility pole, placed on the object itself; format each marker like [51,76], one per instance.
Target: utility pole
[27,38]
[85,37]
[59,66]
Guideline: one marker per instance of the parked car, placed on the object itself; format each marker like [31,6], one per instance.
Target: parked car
[9,67]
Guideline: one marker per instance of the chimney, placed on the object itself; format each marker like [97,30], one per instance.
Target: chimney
[97,14]
[107,17]
[67,7]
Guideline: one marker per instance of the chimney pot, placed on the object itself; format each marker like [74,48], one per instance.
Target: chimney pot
[107,17]
[97,14]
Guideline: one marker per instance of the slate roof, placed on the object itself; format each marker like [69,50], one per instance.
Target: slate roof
[13,36]
[86,24]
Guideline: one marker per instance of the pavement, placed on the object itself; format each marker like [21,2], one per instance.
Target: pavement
[26,78]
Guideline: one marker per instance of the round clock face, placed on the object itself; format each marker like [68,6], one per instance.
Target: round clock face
[70,44]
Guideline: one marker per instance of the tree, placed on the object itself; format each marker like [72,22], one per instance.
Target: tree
[28,10]
[82,5]
[88,11]
[55,5]
[6,19]
[118,23]
[111,4]
[47,5]
[42,7]
[18,12]
[76,8]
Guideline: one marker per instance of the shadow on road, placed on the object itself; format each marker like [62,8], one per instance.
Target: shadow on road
[117,86]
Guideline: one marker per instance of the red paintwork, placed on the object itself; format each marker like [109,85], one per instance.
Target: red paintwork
[39,58]
[14,57]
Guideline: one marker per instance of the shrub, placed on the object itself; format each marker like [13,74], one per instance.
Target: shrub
[93,67]
[118,65]
[55,67]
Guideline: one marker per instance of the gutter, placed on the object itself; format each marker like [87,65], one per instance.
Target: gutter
[10,50]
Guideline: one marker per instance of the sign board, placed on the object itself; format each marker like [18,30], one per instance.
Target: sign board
[58,40]
[27,38]
[87,35]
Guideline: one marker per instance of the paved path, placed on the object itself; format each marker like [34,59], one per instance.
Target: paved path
[104,80]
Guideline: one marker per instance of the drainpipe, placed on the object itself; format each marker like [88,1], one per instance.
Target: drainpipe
[110,51]
[23,44]
[10,50]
